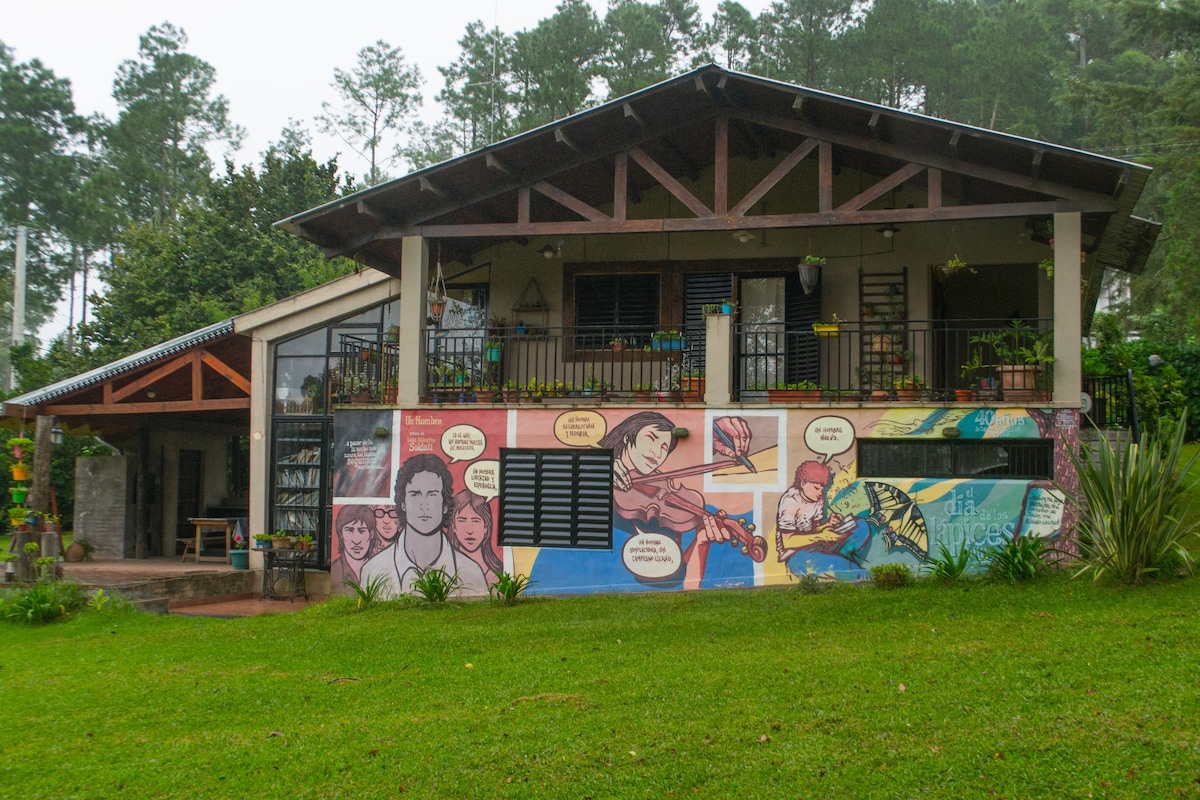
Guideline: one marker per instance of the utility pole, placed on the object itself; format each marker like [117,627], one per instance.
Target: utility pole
[18,317]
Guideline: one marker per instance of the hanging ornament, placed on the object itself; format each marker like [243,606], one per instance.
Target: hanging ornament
[437,289]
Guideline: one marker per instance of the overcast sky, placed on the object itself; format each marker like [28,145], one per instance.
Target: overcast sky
[274,61]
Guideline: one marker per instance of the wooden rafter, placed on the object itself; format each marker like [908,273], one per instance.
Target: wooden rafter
[569,201]
[153,407]
[669,183]
[113,397]
[773,177]
[881,188]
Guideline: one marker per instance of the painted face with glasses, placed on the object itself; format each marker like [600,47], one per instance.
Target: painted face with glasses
[386,523]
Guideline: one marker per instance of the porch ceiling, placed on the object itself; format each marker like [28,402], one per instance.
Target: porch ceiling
[567,177]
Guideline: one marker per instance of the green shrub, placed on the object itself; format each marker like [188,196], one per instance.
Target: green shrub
[1134,521]
[509,587]
[436,585]
[366,593]
[947,566]
[1021,558]
[43,602]
[892,576]
[811,583]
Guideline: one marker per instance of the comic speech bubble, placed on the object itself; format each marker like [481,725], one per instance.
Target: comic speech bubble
[829,436]
[463,442]
[483,478]
[580,428]
[652,555]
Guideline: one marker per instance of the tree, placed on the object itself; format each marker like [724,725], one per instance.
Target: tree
[731,39]
[477,94]
[798,40]
[645,43]
[220,256]
[554,64]
[376,98]
[168,116]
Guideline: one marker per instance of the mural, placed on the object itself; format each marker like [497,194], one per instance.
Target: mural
[702,498]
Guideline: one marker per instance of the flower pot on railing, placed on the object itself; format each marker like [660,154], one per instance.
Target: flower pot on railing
[693,389]
[1019,382]
[964,395]
[794,395]
[826,329]
[492,353]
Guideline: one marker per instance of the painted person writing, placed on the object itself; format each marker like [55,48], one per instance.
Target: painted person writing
[641,445]
[424,495]
[827,541]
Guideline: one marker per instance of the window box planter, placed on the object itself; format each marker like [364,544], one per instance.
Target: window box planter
[826,329]
[794,395]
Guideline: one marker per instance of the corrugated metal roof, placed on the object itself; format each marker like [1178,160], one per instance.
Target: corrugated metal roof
[140,359]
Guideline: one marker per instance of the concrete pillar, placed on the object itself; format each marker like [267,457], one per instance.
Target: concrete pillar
[414,285]
[262,404]
[1068,317]
[718,359]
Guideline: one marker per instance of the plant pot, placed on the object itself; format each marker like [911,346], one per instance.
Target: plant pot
[512,395]
[389,396]
[19,494]
[826,329]
[361,398]
[1019,383]
[666,344]
[281,543]
[641,396]
[794,395]
[908,395]
[19,472]
[17,452]
[75,552]
[964,395]
[878,396]
[727,309]
[693,390]
[492,353]
[239,559]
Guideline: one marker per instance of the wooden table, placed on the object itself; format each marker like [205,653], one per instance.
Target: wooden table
[209,523]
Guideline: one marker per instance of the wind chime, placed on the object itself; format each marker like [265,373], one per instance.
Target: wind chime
[437,289]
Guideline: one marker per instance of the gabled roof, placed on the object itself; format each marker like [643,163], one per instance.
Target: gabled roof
[476,199]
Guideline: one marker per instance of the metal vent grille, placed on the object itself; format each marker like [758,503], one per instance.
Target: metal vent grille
[556,498]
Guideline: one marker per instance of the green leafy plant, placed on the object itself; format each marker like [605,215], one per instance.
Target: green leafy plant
[811,583]
[1021,558]
[374,588]
[1134,521]
[892,576]
[44,602]
[98,601]
[814,261]
[436,585]
[947,566]
[20,446]
[509,587]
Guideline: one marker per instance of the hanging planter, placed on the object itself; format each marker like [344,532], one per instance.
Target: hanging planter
[19,494]
[437,289]
[19,472]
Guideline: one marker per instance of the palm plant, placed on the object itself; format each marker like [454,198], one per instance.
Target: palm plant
[1134,521]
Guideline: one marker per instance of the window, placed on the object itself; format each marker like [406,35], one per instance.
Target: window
[607,306]
[1014,459]
[556,498]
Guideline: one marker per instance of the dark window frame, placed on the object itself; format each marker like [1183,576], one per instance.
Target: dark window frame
[569,503]
[1025,459]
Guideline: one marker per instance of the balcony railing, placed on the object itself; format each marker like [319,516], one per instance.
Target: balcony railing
[908,360]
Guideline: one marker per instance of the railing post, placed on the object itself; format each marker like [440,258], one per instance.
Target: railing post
[718,359]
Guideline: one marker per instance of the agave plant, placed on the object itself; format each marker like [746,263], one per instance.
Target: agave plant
[1134,520]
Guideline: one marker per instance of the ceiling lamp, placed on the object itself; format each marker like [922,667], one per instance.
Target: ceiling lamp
[743,236]
[888,230]
[552,251]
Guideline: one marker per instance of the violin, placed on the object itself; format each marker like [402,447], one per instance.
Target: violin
[652,500]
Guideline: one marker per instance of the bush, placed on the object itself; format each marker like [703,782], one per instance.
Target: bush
[811,583]
[892,576]
[947,566]
[375,588]
[1134,520]
[43,602]
[436,585]
[509,587]
[1021,558]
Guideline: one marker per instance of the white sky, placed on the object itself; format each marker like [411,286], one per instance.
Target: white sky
[273,60]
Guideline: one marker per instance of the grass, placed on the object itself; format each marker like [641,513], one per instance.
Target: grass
[1056,689]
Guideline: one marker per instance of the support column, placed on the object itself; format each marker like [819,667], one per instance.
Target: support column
[1068,317]
[718,359]
[262,404]
[414,283]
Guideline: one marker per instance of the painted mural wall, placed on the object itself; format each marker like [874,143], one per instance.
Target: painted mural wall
[745,498]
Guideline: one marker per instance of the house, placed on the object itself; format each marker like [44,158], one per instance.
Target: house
[724,331]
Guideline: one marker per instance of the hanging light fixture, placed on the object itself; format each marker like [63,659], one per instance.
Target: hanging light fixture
[552,251]
[437,288]
[743,236]
[888,230]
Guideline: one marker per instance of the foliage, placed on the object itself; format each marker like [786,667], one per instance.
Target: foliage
[892,576]
[948,566]
[436,585]
[1135,521]
[98,601]
[375,98]
[373,589]
[45,601]
[1021,558]
[508,588]
[811,583]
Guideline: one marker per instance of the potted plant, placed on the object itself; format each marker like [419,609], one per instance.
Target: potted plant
[239,556]
[709,309]
[18,445]
[19,493]
[281,540]
[828,329]
[692,386]
[1021,353]
[262,541]
[666,340]
[814,261]
[953,266]
[492,349]
[535,390]
[389,389]
[908,387]
[18,515]
[512,391]
[304,541]
[641,392]
[617,344]
[798,392]
[10,565]
[728,307]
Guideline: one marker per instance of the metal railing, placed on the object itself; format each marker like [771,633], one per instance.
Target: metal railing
[366,371]
[1112,404]
[904,360]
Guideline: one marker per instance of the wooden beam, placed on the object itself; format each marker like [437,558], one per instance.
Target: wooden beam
[773,177]
[154,376]
[1036,168]
[825,176]
[523,205]
[367,210]
[732,223]
[163,407]
[954,137]
[1093,201]
[561,137]
[620,187]
[721,167]
[431,187]
[575,204]
[197,376]
[700,87]
[1122,182]
[881,188]
[669,183]
[934,180]
[631,113]
[228,372]
[496,164]
[873,125]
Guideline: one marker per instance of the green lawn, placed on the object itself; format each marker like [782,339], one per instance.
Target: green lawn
[1062,689]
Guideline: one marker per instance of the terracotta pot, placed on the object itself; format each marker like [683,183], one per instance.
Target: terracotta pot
[964,395]
[794,395]
[908,395]
[281,543]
